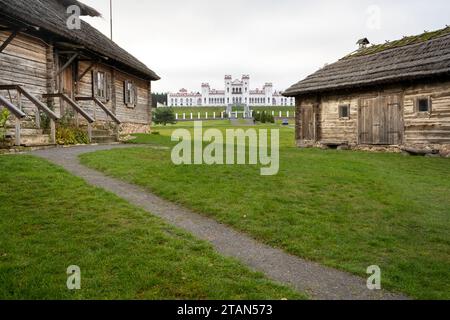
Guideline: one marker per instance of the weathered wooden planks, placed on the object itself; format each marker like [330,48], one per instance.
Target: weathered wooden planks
[386,116]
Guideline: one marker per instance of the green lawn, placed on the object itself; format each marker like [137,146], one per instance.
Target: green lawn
[219,110]
[347,210]
[50,220]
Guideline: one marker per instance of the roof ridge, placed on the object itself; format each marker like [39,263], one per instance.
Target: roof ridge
[400,43]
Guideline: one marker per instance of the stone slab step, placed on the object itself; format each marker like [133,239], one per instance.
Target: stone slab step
[35,140]
[104,139]
[25,132]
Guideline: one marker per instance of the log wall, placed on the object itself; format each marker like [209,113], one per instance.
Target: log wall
[24,62]
[136,119]
[418,128]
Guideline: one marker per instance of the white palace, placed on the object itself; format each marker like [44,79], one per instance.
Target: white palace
[237,93]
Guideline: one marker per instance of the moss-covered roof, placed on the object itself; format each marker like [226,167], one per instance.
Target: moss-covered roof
[400,43]
[411,58]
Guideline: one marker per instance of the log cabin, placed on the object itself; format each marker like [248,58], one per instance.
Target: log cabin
[389,97]
[51,71]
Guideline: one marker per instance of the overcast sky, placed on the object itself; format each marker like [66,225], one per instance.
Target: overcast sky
[279,41]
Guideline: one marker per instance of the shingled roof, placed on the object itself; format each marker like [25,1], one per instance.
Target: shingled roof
[51,16]
[410,58]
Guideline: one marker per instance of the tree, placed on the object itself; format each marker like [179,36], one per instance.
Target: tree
[164,116]
[158,98]
[263,117]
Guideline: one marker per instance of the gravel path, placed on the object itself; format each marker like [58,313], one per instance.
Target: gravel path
[318,281]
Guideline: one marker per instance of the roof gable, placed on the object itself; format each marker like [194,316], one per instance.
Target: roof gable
[51,16]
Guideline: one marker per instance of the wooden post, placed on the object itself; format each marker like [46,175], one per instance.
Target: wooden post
[19,100]
[117,132]
[90,132]
[18,142]
[77,124]
[52,131]
[37,116]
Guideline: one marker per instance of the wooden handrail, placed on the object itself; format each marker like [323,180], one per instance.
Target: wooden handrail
[16,111]
[32,99]
[102,106]
[72,103]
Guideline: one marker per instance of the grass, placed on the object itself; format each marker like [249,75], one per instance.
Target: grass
[347,210]
[50,220]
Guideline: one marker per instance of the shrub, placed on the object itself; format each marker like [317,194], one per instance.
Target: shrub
[263,117]
[70,135]
[257,116]
[4,115]
[164,116]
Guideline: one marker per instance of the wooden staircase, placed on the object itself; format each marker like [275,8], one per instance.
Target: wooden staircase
[27,131]
[103,137]
[32,138]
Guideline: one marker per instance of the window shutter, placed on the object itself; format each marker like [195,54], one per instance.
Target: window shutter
[125,92]
[108,87]
[135,92]
[94,83]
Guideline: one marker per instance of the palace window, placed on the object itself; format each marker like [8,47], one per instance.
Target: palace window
[344,111]
[130,94]
[423,105]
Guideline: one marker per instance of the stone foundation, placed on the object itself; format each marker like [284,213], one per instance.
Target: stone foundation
[430,150]
[130,128]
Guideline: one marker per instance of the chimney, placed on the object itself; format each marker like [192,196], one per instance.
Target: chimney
[363,43]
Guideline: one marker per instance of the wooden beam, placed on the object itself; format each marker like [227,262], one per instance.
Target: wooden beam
[67,64]
[86,71]
[9,39]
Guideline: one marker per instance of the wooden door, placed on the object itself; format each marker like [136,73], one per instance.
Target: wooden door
[308,126]
[67,82]
[366,121]
[393,129]
[380,120]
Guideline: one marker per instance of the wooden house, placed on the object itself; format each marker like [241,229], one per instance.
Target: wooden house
[50,71]
[394,96]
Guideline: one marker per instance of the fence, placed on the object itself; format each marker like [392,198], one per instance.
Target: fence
[191,116]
